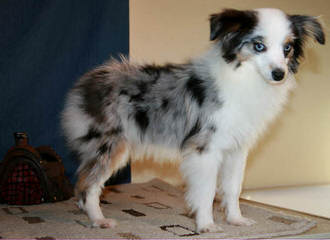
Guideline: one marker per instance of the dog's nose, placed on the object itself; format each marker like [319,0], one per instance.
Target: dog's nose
[278,74]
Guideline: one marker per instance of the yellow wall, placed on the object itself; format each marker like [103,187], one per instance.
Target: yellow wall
[296,149]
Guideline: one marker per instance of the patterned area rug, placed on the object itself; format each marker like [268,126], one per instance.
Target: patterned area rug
[150,210]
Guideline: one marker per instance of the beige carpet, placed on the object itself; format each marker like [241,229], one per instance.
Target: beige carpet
[150,210]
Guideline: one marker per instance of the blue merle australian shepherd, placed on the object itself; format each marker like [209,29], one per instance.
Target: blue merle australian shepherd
[206,113]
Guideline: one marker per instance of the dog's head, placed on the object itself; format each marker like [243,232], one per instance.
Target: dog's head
[270,39]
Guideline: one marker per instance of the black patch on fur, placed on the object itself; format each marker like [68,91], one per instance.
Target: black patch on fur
[156,70]
[165,102]
[114,131]
[91,134]
[103,149]
[83,196]
[141,118]
[95,93]
[143,89]
[200,149]
[123,92]
[213,128]
[171,88]
[195,87]
[302,27]
[137,98]
[193,132]
[152,70]
[230,27]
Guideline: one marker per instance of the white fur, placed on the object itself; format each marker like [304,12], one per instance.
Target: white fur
[251,101]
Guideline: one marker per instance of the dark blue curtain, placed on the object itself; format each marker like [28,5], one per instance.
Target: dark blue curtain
[45,45]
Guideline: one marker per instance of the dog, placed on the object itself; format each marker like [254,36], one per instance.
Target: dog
[207,112]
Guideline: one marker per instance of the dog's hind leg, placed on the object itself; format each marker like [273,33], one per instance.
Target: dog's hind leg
[92,176]
[200,171]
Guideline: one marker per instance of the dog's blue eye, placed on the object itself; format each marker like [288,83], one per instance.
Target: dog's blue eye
[287,47]
[259,47]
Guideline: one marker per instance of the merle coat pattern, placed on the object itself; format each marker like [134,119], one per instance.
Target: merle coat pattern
[206,113]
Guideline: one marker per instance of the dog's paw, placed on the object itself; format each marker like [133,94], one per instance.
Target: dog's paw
[105,223]
[210,228]
[241,221]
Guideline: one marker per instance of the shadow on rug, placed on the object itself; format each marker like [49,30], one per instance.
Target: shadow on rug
[149,210]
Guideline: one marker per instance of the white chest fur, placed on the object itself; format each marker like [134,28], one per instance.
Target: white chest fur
[250,103]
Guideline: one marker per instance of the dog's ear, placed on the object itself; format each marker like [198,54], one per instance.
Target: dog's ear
[231,21]
[307,26]
[230,27]
[303,27]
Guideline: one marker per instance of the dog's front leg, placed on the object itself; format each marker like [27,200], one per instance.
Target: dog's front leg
[200,171]
[232,174]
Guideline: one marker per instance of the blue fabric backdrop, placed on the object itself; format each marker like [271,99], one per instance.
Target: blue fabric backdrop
[45,46]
